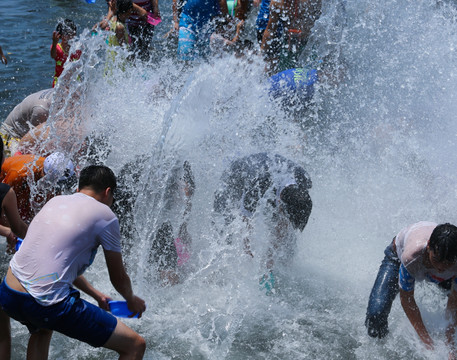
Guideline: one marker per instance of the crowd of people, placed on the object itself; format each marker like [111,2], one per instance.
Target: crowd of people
[63,229]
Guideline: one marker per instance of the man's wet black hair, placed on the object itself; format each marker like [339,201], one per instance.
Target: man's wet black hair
[297,204]
[124,6]
[443,242]
[66,27]
[98,178]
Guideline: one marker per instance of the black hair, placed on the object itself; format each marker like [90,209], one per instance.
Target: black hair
[297,204]
[123,6]
[443,242]
[66,27]
[98,178]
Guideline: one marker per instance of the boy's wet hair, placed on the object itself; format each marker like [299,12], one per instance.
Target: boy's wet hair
[97,178]
[443,242]
[297,204]
[66,27]
[123,6]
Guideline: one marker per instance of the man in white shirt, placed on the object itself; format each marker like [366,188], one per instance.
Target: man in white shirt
[421,251]
[61,243]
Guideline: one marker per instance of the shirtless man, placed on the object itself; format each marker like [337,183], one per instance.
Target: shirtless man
[289,26]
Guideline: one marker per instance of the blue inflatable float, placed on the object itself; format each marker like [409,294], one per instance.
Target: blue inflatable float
[293,84]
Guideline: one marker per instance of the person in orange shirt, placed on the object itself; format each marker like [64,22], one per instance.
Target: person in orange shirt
[22,172]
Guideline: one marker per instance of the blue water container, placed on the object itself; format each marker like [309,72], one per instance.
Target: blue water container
[120,309]
[19,243]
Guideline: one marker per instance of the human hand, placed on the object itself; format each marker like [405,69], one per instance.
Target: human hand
[452,355]
[103,301]
[11,241]
[112,5]
[4,60]
[173,32]
[428,342]
[55,37]
[169,277]
[267,283]
[136,305]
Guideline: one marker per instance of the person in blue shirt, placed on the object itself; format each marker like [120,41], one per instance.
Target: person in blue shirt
[196,27]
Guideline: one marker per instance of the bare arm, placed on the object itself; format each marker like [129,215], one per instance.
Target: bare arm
[82,284]
[175,15]
[140,11]
[224,8]
[155,7]
[55,41]
[269,35]
[239,28]
[413,313]
[242,10]
[121,281]
[3,57]
[18,226]
[451,311]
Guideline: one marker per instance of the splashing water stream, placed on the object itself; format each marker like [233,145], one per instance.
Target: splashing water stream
[378,145]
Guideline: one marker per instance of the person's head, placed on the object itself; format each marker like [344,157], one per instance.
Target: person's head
[66,28]
[297,205]
[100,179]
[124,8]
[442,246]
[57,168]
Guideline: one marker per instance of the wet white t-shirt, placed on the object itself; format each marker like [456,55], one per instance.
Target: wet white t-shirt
[31,112]
[61,243]
[411,243]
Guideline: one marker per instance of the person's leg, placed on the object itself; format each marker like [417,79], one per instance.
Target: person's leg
[126,342]
[382,295]
[187,38]
[38,347]
[5,336]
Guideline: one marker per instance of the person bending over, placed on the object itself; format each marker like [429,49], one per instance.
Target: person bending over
[39,288]
[421,251]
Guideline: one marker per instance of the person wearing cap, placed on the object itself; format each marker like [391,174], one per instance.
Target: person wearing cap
[25,173]
[274,186]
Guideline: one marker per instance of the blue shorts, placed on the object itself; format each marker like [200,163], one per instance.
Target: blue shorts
[73,316]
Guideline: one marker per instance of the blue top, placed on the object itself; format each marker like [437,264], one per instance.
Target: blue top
[264,15]
[199,12]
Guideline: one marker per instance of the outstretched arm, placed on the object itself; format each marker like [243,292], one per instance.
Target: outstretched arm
[155,7]
[412,311]
[18,226]
[451,312]
[121,282]
[140,11]
[270,34]
[55,41]
[3,57]
[82,284]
